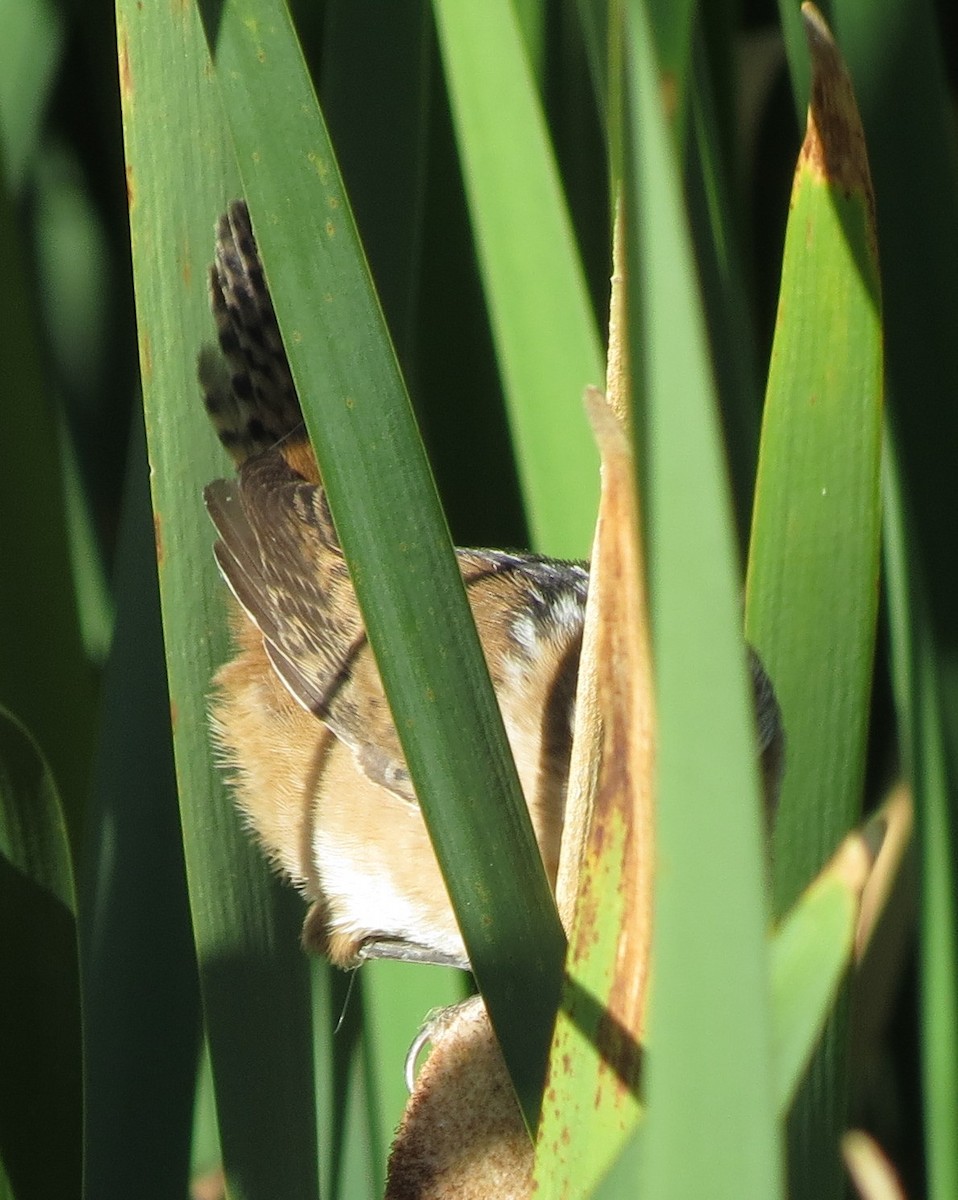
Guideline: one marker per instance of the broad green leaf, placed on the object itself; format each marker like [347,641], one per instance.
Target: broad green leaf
[545,333]
[817,514]
[392,530]
[813,563]
[253,976]
[576,1147]
[377,60]
[809,953]
[591,1099]
[710,1125]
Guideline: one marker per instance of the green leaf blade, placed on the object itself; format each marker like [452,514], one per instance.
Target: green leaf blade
[810,952]
[253,977]
[710,1126]
[545,332]
[393,533]
[812,590]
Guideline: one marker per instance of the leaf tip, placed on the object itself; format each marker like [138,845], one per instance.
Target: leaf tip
[834,146]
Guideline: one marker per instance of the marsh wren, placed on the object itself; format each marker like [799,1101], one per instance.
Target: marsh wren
[299,716]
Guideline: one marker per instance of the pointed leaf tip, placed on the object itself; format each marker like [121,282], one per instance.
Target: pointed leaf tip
[834,146]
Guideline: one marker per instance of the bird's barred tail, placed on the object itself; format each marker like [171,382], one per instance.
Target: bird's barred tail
[248,389]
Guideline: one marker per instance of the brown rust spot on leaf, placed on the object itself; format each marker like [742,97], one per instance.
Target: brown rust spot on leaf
[158,538]
[146,357]
[834,146]
[623,802]
[123,59]
[604,886]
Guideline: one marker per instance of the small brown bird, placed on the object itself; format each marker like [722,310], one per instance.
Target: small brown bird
[300,718]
